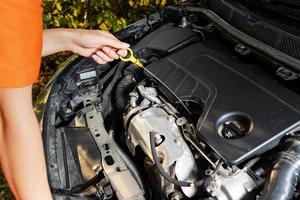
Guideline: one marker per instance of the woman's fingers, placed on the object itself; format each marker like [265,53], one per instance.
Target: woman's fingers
[114,47]
[113,43]
[122,52]
[103,56]
[110,52]
[98,59]
[105,48]
[107,54]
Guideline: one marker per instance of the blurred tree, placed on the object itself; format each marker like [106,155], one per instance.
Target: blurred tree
[110,15]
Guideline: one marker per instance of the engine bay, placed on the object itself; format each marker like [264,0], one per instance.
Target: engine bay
[207,118]
[247,128]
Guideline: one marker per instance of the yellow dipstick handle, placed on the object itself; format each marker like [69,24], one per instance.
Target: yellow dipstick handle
[130,57]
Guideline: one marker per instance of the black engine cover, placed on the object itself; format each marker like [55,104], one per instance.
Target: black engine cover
[231,90]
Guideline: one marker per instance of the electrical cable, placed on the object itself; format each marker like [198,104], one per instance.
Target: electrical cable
[79,189]
[156,160]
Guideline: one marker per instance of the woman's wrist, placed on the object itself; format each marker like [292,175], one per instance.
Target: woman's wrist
[72,39]
[67,38]
[57,40]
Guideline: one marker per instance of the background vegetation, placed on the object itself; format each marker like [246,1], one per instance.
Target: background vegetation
[109,15]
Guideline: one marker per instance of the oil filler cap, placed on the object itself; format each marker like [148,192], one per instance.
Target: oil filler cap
[231,130]
[234,125]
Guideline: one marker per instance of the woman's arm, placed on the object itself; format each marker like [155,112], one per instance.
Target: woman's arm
[21,149]
[102,46]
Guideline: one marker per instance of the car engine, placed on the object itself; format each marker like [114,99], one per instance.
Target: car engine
[208,117]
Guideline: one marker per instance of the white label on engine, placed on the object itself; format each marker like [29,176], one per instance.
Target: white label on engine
[87,75]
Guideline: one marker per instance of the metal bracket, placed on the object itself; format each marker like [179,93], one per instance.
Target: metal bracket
[122,181]
[286,74]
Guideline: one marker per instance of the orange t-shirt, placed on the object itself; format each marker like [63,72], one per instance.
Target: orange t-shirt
[20,42]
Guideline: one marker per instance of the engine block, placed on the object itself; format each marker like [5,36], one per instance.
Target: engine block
[175,153]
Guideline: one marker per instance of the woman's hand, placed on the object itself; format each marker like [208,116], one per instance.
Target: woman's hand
[102,46]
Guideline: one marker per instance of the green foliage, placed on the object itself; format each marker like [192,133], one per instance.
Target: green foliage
[5,193]
[108,15]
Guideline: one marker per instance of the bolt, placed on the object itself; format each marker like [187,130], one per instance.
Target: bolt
[97,168]
[158,139]
[181,121]
[134,94]
[208,172]
[208,189]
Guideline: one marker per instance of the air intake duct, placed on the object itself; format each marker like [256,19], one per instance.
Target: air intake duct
[284,176]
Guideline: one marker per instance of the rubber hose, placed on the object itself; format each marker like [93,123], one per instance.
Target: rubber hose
[107,94]
[281,182]
[79,190]
[125,86]
[162,171]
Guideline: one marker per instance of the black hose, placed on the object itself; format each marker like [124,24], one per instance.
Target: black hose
[162,171]
[80,190]
[107,94]
[281,182]
[125,86]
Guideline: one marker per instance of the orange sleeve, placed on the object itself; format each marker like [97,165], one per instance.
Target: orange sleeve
[20,42]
